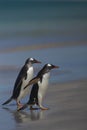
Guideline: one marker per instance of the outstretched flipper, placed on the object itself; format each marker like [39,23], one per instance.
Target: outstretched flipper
[32,81]
[9,100]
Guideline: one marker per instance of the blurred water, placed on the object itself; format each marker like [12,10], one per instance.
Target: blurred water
[25,23]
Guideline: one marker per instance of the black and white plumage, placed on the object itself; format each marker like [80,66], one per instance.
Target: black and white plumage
[24,76]
[39,89]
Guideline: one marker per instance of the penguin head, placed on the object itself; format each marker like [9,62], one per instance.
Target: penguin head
[31,61]
[50,66]
[46,69]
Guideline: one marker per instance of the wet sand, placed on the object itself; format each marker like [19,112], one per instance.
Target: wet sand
[68,110]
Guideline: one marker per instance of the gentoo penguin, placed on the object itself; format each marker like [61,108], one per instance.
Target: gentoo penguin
[39,89]
[25,75]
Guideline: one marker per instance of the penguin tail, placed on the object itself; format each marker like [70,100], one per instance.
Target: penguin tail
[23,107]
[9,100]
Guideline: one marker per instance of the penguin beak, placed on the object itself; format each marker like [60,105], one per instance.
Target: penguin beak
[54,67]
[36,61]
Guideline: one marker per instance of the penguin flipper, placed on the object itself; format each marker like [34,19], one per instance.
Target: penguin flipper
[9,100]
[23,107]
[32,81]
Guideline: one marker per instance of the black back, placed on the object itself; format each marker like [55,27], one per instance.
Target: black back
[34,95]
[19,80]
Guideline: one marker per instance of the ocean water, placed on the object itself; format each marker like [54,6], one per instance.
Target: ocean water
[24,24]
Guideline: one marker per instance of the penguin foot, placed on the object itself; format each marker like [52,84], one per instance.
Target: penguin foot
[19,105]
[44,108]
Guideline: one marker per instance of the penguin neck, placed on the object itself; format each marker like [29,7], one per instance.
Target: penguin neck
[29,65]
[30,71]
[46,75]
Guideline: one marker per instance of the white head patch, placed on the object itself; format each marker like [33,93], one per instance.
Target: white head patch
[31,59]
[49,65]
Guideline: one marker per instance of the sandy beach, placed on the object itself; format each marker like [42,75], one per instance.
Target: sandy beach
[67,104]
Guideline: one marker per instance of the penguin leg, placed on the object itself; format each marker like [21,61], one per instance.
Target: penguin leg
[40,103]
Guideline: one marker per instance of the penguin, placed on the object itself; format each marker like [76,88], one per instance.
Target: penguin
[39,88]
[24,76]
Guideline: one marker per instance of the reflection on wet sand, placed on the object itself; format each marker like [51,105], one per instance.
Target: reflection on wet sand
[25,117]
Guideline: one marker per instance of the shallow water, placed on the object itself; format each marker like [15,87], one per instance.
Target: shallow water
[67,103]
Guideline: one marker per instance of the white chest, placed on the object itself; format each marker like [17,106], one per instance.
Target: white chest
[28,78]
[44,84]
[24,92]
[30,73]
